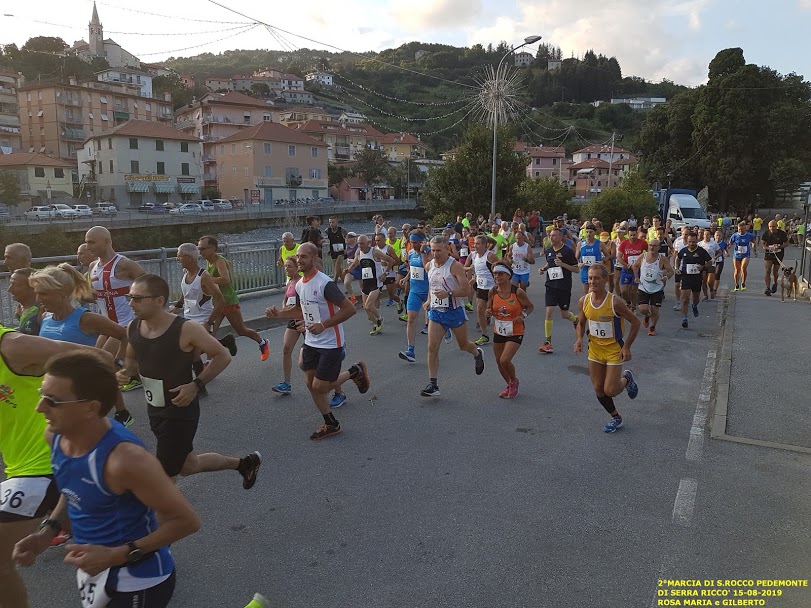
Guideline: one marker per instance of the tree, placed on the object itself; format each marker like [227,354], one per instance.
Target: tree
[547,195]
[617,204]
[9,188]
[372,166]
[337,173]
[211,192]
[260,89]
[45,44]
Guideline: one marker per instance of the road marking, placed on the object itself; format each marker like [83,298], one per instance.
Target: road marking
[695,445]
[685,502]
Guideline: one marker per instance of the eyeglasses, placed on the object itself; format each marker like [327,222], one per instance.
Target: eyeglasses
[132,298]
[51,402]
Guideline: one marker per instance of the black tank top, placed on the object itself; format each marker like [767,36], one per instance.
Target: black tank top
[336,236]
[162,362]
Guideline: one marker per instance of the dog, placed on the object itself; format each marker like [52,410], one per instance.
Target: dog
[788,284]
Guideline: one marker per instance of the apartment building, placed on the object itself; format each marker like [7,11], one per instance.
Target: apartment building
[323,78]
[402,146]
[137,81]
[547,162]
[268,162]
[343,141]
[56,119]
[140,162]
[10,140]
[603,152]
[42,179]
[291,117]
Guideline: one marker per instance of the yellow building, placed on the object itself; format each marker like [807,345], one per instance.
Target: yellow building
[42,179]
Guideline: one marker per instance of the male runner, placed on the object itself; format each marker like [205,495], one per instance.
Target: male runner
[521,256]
[774,244]
[589,251]
[481,262]
[390,267]
[560,264]
[627,253]
[709,245]
[757,230]
[740,244]
[220,270]
[370,260]
[111,276]
[289,247]
[122,509]
[608,349]
[30,312]
[16,256]
[161,349]
[692,261]
[651,271]
[322,309]
[312,233]
[446,283]
[416,284]
[354,275]
[337,248]
[678,244]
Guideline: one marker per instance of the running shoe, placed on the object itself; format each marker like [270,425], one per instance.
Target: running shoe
[360,376]
[613,426]
[743,287]
[390,302]
[404,317]
[400,308]
[774,288]
[376,329]
[124,417]
[652,330]
[326,430]
[283,388]
[736,288]
[514,389]
[469,307]
[264,350]
[230,343]
[430,391]
[448,335]
[249,469]
[546,348]
[133,384]
[338,399]
[353,298]
[768,292]
[695,310]
[631,385]
[705,299]
[408,355]
[258,601]
[684,322]
[424,330]
[60,539]
[677,306]
[479,361]
[483,339]
[646,322]
[505,394]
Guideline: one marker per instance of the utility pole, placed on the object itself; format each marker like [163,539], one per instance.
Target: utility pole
[614,137]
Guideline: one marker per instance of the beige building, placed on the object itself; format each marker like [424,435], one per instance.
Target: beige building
[343,141]
[402,146]
[268,162]
[291,117]
[140,162]
[10,140]
[42,179]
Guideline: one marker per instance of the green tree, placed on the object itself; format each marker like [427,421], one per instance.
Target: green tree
[260,89]
[9,188]
[548,196]
[210,193]
[337,173]
[45,44]
[617,204]
[372,166]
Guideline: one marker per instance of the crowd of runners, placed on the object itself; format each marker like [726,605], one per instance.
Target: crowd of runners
[74,474]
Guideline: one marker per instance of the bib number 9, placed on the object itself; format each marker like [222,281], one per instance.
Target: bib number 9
[153,391]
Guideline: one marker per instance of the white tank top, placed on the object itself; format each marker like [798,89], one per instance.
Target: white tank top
[484,278]
[520,265]
[197,306]
[111,293]
[385,251]
[316,309]
[650,276]
[371,269]
[441,278]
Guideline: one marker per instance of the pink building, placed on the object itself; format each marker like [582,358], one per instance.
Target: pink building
[547,162]
[355,189]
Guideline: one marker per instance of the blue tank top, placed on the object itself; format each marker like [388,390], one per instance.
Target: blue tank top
[589,251]
[66,330]
[99,517]
[416,285]
[350,254]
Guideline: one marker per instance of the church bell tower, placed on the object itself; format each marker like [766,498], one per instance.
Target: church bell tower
[96,40]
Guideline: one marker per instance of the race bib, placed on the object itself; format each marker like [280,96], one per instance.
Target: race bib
[367,273]
[437,302]
[463,252]
[153,391]
[555,273]
[632,259]
[291,301]
[504,328]
[520,265]
[693,269]
[338,247]
[588,260]
[481,282]
[312,314]
[417,273]
[601,329]
[651,275]
[741,249]
[23,495]
[772,248]
[92,592]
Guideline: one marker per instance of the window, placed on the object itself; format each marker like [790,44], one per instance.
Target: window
[184,146]
[39,171]
[103,99]
[245,171]
[59,172]
[588,156]
[267,171]
[109,143]
[537,162]
[39,94]
[111,166]
[315,173]
[266,117]
[161,168]
[222,149]
[291,150]
[104,116]
[148,107]
[135,167]
[315,194]
[314,152]
[159,145]
[222,169]
[133,143]
[234,170]
[554,161]
[233,148]
[28,96]
[246,118]
[90,115]
[266,147]
[537,174]
[101,171]
[184,168]
[40,113]
[135,103]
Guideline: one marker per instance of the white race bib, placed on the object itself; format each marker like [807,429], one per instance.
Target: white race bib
[153,391]
[693,269]
[520,266]
[651,275]
[588,260]
[504,328]
[741,249]
[555,273]
[312,314]
[464,252]
[437,302]
[23,495]
[338,247]
[367,273]
[417,273]
[632,259]
[92,592]
[481,282]
[601,329]
[291,301]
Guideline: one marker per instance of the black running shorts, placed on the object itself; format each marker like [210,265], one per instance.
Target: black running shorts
[325,361]
[651,299]
[561,298]
[175,441]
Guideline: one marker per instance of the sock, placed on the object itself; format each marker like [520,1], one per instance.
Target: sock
[433,382]
[198,367]
[547,326]
[608,403]
[572,317]
[330,419]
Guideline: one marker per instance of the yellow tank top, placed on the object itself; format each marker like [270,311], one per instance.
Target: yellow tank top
[397,246]
[22,428]
[286,253]
[605,327]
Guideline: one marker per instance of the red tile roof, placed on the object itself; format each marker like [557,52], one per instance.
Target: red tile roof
[603,149]
[146,128]
[355,182]
[597,163]
[19,159]
[546,152]
[326,126]
[271,131]
[236,98]
[401,138]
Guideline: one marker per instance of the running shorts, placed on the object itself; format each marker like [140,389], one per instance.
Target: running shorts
[449,319]
[482,294]
[175,441]
[325,361]
[605,355]
[152,597]
[690,283]
[230,309]
[389,280]
[521,278]
[415,301]
[627,277]
[499,339]
[369,286]
[719,268]
[27,497]
[561,298]
[651,299]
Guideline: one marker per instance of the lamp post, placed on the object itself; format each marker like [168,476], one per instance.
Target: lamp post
[527,40]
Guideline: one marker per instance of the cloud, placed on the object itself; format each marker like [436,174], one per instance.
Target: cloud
[421,15]
[805,4]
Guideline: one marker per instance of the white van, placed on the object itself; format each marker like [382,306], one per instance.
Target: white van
[685,210]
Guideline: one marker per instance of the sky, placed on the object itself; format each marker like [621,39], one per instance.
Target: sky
[654,39]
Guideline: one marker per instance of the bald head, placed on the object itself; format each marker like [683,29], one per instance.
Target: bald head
[99,241]
[17,255]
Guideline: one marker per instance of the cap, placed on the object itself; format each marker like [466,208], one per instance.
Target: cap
[450,225]
[351,234]
[559,218]
[604,237]
[416,237]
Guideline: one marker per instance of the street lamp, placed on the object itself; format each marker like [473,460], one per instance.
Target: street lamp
[527,40]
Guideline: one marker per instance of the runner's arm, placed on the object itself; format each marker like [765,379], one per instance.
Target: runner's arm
[130,369]
[526,303]
[210,288]
[458,272]
[345,308]
[222,270]
[194,336]
[668,269]
[580,330]
[130,269]
[92,323]
[622,310]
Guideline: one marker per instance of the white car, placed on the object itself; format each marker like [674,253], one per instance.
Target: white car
[83,210]
[222,204]
[40,212]
[207,205]
[186,208]
[104,209]
[62,211]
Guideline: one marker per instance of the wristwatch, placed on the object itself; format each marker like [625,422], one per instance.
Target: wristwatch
[50,523]
[135,555]
[119,362]
[199,384]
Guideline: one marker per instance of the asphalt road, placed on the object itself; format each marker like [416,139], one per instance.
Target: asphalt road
[470,500]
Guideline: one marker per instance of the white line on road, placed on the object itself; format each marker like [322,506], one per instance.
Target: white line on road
[685,502]
[695,445]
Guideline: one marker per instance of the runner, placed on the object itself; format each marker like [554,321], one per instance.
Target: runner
[111,276]
[390,266]
[610,259]
[323,350]
[370,260]
[85,259]
[289,247]
[220,270]
[26,456]
[354,275]
[417,287]
[709,245]
[16,256]
[652,271]
[161,350]
[30,312]
[446,277]
[291,332]
[618,236]
[560,264]
[509,305]
[481,261]
[723,251]
[337,248]
[693,260]
[521,256]
[603,313]
[757,230]
[679,244]
[774,243]
[740,244]
[589,251]
[312,233]
[627,253]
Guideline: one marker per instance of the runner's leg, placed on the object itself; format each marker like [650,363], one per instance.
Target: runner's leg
[12,588]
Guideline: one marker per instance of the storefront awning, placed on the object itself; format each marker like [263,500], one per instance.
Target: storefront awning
[165,187]
[189,188]
[138,186]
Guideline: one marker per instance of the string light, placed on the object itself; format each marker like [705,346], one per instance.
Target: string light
[405,118]
[244,30]
[391,98]
[175,17]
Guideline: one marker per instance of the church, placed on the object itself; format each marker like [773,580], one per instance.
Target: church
[108,49]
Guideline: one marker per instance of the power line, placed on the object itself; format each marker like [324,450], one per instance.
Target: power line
[244,30]
[405,118]
[391,98]
[175,17]
[77,28]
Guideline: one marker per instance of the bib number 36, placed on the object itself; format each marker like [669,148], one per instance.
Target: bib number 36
[23,495]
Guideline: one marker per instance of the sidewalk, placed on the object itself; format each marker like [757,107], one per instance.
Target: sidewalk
[763,368]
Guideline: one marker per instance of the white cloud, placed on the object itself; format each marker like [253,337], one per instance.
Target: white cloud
[421,15]
[805,4]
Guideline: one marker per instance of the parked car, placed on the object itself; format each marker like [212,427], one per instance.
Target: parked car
[327,200]
[83,210]
[207,205]
[222,204]
[152,208]
[64,212]
[169,206]
[236,204]
[187,208]
[104,209]
[39,212]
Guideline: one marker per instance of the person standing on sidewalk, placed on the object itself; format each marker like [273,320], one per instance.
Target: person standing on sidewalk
[220,270]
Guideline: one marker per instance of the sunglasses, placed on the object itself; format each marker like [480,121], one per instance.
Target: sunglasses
[51,402]
[136,299]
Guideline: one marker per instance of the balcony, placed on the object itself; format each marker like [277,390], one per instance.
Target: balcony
[70,101]
[10,121]
[293,181]
[71,133]
[121,115]
[208,119]
[210,177]
[313,183]
[181,125]
[270,181]
[208,158]
[211,137]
